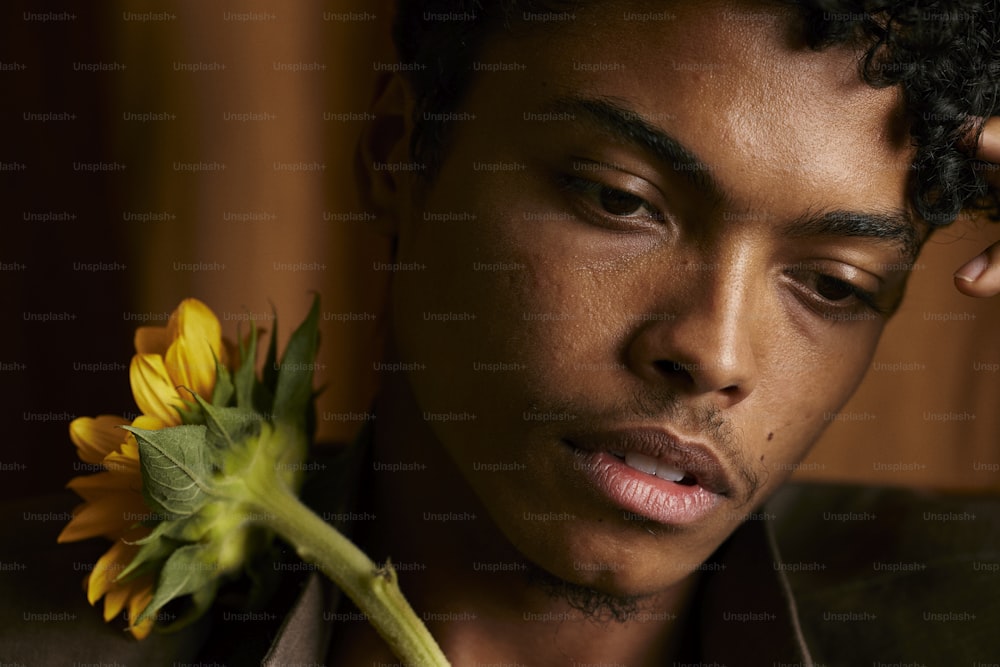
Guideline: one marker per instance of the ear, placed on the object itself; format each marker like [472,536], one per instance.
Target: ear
[384,140]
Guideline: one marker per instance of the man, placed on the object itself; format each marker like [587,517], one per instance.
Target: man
[675,240]
[643,249]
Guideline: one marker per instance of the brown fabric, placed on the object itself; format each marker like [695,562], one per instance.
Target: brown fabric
[892,576]
[305,635]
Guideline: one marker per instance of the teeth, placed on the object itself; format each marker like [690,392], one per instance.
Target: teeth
[666,472]
[651,466]
[646,464]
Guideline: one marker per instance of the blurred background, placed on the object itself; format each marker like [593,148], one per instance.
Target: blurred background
[206,149]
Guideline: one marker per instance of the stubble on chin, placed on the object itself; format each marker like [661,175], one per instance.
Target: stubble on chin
[594,605]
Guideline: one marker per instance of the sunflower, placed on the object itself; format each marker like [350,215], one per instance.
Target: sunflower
[171,364]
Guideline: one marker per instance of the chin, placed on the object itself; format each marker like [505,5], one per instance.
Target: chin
[610,596]
[640,560]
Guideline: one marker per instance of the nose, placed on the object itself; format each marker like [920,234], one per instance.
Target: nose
[704,345]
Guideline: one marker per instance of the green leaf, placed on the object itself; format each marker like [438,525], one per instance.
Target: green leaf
[293,392]
[185,572]
[177,468]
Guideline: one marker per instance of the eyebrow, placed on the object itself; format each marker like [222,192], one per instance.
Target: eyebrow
[611,116]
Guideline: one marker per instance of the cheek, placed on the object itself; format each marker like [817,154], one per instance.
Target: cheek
[501,289]
[799,395]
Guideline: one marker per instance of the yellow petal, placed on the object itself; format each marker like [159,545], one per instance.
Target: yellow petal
[196,322]
[142,630]
[148,422]
[103,483]
[96,437]
[107,568]
[152,340]
[114,600]
[125,462]
[136,605]
[129,451]
[108,516]
[153,390]
[126,459]
[191,365]
[196,344]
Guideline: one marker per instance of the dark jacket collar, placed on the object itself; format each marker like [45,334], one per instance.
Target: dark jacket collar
[745,609]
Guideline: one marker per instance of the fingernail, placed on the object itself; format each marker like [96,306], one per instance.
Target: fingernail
[971,271]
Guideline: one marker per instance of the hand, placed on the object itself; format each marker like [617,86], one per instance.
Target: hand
[980,276]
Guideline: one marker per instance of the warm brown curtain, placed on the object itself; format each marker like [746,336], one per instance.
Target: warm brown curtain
[278,101]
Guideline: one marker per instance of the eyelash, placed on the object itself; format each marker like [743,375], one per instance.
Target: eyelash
[861,300]
[593,190]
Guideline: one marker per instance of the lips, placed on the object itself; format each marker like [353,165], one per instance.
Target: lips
[643,447]
[653,474]
[653,466]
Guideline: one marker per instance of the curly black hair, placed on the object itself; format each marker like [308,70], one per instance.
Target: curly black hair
[944,55]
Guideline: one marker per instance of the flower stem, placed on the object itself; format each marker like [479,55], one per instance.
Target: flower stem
[373,589]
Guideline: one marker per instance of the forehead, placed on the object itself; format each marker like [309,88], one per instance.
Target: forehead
[734,83]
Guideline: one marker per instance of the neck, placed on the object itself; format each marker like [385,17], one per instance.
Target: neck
[480,598]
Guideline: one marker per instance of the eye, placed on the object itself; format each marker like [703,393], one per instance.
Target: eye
[619,202]
[610,206]
[832,297]
[833,289]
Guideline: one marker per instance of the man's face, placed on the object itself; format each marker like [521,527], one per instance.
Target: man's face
[671,241]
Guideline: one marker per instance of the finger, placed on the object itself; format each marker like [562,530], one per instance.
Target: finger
[989,141]
[981,275]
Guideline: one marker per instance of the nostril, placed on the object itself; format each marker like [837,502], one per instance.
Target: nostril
[690,369]
[682,374]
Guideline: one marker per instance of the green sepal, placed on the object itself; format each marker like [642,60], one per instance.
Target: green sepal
[184,573]
[165,538]
[293,392]
[156,547]
[176,469]
[269,374]
[224,388]
[244,379]
[229,427]
[201,601]
[189,416]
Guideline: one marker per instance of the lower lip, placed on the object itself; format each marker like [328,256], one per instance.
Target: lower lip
[645,496]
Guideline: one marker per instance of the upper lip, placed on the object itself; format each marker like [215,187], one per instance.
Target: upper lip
[694,458]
